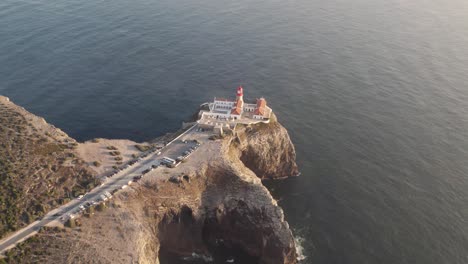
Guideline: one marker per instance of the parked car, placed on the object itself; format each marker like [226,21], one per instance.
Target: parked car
[154,166]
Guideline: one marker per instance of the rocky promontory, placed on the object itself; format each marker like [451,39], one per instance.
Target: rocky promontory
[267,150]
[233,208]
[213,202]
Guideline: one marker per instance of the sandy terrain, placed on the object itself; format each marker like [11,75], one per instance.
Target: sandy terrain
[97,150]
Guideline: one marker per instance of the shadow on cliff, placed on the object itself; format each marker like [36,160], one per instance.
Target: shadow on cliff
[238,221]
[237,218]
[213,236]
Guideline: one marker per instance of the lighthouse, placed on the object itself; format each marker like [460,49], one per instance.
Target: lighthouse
[238,106]
[240,94]
[236,111]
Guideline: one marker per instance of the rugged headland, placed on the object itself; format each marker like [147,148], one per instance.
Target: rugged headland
[213,202]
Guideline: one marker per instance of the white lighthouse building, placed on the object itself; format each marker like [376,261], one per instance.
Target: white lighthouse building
[237,110]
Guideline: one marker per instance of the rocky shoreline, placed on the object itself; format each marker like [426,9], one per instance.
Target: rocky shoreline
[209,203]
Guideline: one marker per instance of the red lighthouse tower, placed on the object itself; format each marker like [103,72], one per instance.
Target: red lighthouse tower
[239,104]
[240,94]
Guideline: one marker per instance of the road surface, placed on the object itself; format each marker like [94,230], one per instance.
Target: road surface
[173,149]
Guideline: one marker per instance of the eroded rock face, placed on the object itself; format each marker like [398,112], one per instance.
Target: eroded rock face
[267,150]
[220,202]
[239,224]
[232,213]
[235,209]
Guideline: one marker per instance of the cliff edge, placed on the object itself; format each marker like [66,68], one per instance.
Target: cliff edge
[39,168]
[212,203]
[267,150]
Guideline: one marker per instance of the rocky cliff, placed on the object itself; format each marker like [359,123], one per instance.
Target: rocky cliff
[209,205]
[267,150]
[235,210]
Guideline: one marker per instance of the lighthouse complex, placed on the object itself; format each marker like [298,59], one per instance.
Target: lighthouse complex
[227,113]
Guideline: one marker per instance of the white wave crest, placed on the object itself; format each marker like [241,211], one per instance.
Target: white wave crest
[299,241]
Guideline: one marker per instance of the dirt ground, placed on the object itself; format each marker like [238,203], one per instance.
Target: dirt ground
[99,150]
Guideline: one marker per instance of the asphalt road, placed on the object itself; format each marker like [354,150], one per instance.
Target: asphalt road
[172,150]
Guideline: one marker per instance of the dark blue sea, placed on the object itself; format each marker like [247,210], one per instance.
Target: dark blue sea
[373,92]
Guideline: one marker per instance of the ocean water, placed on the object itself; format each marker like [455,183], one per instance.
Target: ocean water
[374,94]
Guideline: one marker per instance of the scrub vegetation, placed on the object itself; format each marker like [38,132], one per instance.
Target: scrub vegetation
[32,250]
[38,169]
[142,148]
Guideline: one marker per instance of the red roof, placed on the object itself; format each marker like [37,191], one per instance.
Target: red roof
[261,102]
[237,107]
[236,111]
[259,111]
[239,103]
[261,105]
